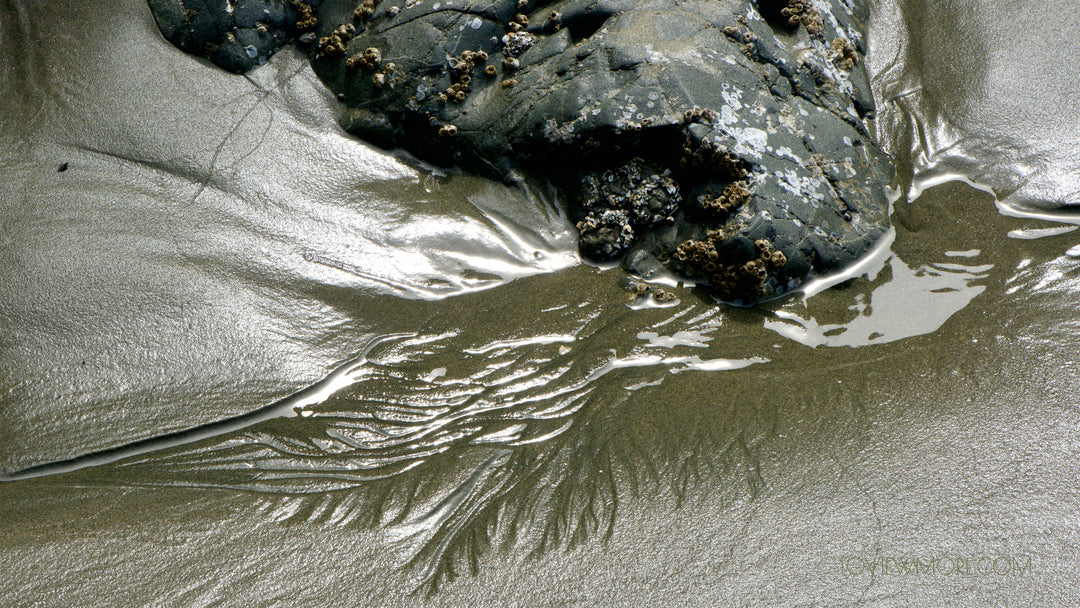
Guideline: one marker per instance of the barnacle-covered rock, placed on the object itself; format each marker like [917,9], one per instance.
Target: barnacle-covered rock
[621,202]
[728,127]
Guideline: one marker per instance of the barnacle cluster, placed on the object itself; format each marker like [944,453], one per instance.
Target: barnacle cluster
[517,42]
[842,54]
[334,44]
[461,70]
[388,75]
[661,295]
[803,11]
[699,115]
[719,260]
[729,201]
[713,157]
[369,59]
[635,290]
[708,155]
[605,235]
[620,202]
[366,8]
[555,21]
[519,23]
[305,15]
[748,39]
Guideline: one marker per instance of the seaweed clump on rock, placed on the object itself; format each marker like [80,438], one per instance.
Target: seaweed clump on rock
[724,139]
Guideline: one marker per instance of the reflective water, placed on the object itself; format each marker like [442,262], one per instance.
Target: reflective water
[331,375]
[981,90]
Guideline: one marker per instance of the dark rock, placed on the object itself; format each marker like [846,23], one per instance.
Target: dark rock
[642,263]
[237,35]
[739,122]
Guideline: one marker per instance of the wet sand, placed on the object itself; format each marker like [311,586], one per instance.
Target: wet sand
[572,448]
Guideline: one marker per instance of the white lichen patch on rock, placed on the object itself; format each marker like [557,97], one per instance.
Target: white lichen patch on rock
[801,185]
